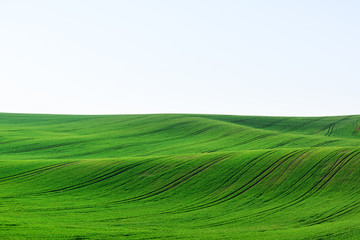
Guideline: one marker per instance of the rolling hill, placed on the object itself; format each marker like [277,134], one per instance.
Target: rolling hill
[179,176]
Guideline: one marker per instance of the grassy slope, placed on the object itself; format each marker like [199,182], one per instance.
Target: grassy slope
[179,176]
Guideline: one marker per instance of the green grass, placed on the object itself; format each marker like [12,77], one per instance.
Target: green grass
[177,176]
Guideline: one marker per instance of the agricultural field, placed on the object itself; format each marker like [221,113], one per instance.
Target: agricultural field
[179,176]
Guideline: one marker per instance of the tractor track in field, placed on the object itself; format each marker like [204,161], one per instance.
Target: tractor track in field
[292,165]
[238,191]
[330,128]
[287,142]
[257,138]
[233,177]
[342,211]
[129,145]
[175,182]
[306,123]
[244,188]
[250,164]
[357,128]
[31,173]
[334,169]
[208,141]
[306,194]
[35,147]
[305,177]
[271,124]
[325,236]
[235,193]
[95,180]
[325,143]
[142,175]
[247,141]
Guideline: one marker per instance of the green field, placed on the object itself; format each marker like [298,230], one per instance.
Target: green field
[179,176]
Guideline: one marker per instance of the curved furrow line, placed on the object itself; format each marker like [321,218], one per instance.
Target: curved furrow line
[244,169]
[332,125]
[272,123]
[155,167]
[274,209]
[170,127]
[199,142]
[175,182]
[325,143]
[16,140]
[36,171]
[99,170]
[200,131]
[287,142]
[257,138]
[35,147]
[357,128]
[167,139]
[95,180]
[244,188]
[306,123]
[235,143]
[306,176]
[330,129]
[233,178]
[346,209]
[310,173]
[114,148]
[334,169]
[292,165]
[313,190]
[325,236]
[144,173]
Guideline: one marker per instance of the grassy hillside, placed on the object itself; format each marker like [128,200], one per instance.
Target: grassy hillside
[179,177]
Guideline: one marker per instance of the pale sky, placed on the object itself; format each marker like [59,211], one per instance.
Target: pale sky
[290,58]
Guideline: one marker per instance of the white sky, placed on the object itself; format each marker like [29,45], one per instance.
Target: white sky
[186,56]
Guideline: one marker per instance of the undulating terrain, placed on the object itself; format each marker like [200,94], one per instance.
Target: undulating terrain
[175,176]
